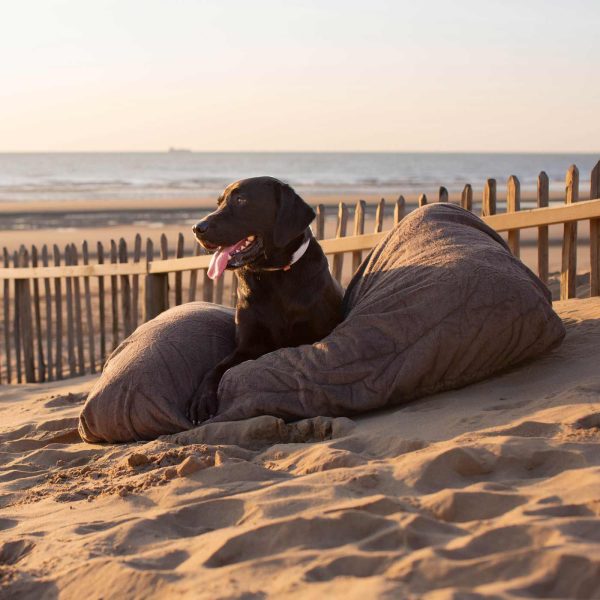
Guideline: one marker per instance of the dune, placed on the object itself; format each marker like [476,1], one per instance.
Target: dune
[488,491]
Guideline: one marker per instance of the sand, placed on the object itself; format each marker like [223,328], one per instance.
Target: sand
[489,491]
[206,202]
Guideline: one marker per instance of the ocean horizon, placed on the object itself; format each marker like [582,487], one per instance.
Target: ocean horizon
[181,173]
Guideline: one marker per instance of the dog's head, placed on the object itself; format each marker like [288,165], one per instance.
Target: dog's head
[255,219]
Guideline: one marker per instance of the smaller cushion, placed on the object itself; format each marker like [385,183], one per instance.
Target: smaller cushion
[147,381]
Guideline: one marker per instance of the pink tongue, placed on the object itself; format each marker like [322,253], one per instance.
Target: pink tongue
[220,258]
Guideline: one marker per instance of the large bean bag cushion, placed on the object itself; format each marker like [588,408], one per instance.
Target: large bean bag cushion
[439,304]
[147,381]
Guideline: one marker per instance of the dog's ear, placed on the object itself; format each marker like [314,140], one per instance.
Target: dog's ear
[293,216]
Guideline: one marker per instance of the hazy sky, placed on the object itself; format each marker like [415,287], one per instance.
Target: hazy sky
[401,75]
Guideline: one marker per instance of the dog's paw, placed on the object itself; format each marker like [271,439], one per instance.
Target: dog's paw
[203,406]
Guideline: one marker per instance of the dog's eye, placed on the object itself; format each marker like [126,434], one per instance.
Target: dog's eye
[240,201]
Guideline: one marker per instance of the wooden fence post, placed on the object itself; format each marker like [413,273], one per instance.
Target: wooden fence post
[114,297]
[25,321]
[101,306]
[41,363]
[359,229]
[568,275]
[179,275]
[466,198]
[422,200]
[379,214]
[59,317]
[156,295]
[17,322]
[157,290]
[6,308]
[543,197]
[443,194]
[89,315]
[125,291]
[135,286]
[488,206]
[70,323]
[320,222]
[595,235]
[148,293]
[164,255]
[338,258]
[208,287]
[399,210]
[194,276]
[513,204]
[78,314]
[48,296]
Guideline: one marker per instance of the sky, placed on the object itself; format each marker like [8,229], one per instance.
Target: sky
[290,75]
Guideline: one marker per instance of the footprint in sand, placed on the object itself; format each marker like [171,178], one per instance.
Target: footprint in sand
[562,576]
[382,506]
[412,532]
[97,526]
[31,437]
[8,524]
[586,529]
[133,535]
[379,446]
[12,552]
[462,506]
[354,565]
[162,561]
[316,533]
[455,467]
[64,400]
[560,511]
[527,429]
[591,421]
[498,540]
[550,462]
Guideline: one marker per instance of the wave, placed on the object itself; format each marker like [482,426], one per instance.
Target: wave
[161,175]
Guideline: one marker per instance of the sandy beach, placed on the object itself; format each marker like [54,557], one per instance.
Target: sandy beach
[210,413]
[488,491]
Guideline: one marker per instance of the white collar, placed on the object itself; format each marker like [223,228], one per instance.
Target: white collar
[298,254]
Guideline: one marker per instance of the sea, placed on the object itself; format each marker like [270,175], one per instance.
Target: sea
[181,173]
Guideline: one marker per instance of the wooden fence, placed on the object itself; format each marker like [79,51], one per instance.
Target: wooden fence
[65,311]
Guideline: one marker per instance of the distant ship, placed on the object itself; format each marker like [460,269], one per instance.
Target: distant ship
[179,150]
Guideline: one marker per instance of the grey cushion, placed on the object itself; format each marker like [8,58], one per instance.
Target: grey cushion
[148,380]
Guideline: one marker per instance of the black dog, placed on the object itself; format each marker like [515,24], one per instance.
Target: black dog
[286,294]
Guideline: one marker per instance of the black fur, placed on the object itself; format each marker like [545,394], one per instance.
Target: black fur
[275,308]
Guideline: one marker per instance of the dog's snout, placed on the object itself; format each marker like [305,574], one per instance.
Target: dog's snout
[200,227]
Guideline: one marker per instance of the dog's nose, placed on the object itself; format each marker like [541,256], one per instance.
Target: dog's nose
[200,227]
